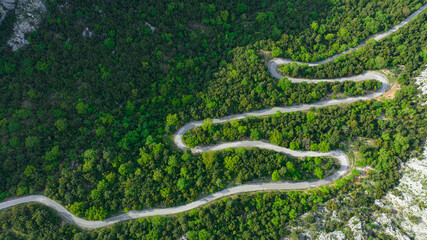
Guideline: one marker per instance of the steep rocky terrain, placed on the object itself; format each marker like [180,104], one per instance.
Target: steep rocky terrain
[401,214]
[28,16]
[408,201]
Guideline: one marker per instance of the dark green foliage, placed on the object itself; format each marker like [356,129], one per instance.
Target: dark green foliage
[33,221]
[402,47]
[89,121]
[244,217]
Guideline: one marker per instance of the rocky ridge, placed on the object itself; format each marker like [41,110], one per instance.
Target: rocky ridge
[28,17]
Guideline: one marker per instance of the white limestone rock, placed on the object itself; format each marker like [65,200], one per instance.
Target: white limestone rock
[28,17]
[5,6]
[8,4]
[337,235]
[421,81]
[152,28]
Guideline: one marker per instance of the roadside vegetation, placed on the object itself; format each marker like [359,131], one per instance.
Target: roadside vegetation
[87,120]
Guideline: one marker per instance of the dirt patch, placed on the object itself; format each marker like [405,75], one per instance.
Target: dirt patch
[164,67]
[200,27]
[266,55]
[394,72]
[387,72]
[390,94]
[169,55]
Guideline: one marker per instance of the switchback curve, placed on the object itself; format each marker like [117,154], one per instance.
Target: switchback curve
[250,187]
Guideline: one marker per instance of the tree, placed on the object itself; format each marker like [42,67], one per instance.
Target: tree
[380,62]
[204,235]
[231,161]
[32,141]
[290,167]
[15,142]
[294,146]
[95,213]
[130,108]
[311,116]
[276,137]
[284,84]
[293,214]
[317,160]
[324,146]
[53,154]
[211,8]
[261,17]
[401,143]
[29,170]
[275,176]
[61,124]
[406,11]
[109,43]
[192,235]
[314,26]
[173,161]
[158,148]
[81,108]
[77,208]
[144,158]
[209,158]
[276,52]
[182,184]
[172,119]
[123,169]
[157,175]
[329,37]
[14,126]
[371,24]
[318,172]
[241,8]
[207,125]
[68,45]
[343,32]
[89,154]
[242,130]
[100,132]
[255,135]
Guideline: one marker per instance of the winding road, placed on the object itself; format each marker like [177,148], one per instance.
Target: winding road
[249,187]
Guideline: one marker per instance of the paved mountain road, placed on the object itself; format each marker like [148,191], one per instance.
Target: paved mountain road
[249,187]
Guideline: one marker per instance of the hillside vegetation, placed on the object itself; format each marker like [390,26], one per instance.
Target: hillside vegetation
[89,107]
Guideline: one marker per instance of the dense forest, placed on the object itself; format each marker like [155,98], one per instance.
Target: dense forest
[318,130]
[88,111]
[390,52]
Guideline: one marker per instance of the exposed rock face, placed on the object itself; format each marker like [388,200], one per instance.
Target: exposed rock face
[386,226]
[28,16]
[8,4]
[87,32]
[3,13]
[356,226]
[152,28]
[403,211]
[421,81]
[408,202]
[5,6]
[337,235]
